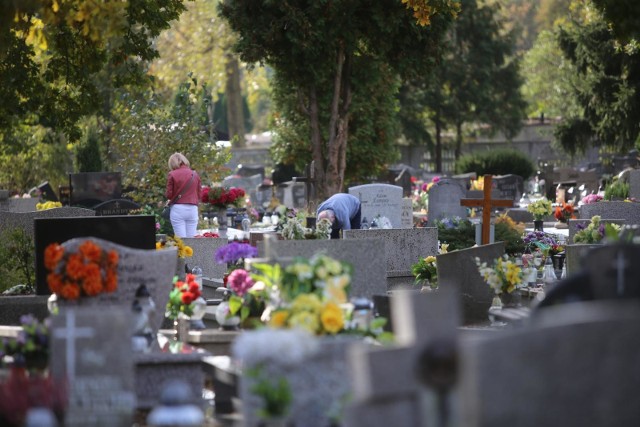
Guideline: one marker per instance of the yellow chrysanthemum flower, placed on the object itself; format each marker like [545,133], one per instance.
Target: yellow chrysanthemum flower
[306,320]
[279,319]
[332,318]
[306,302]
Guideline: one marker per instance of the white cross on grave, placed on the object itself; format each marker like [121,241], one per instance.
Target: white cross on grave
[411,383]
[70,333]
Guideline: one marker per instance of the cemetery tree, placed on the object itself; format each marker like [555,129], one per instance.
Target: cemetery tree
[52,55]
[311,43]
[147,132]
[624,17]
[200,43]
[608,90]
[476,80]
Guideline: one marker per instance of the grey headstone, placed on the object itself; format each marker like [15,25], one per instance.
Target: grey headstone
[90,348]
[380,199]
[263,195]
[204,249]
[367,258]
[628,211]
[592,370]
[398,396]
[154,268]
[444,201]
[292,194]
[634,184]
[24,220]
[14,204]
[403,248]
[458,269]
[248,183]
[509,187]
[406,220]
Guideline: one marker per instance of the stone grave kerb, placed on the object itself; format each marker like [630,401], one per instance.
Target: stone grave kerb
[424,324]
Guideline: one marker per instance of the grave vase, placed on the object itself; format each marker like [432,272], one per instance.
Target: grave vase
[222,222]
[181,326]
[511,299]
[538,225]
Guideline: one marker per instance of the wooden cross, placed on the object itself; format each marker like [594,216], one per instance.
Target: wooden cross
[486,203]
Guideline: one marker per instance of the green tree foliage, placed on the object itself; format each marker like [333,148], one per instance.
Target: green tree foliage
[33,154]
[550,79]
[372,128]
[476,80]
[624,17]
[88,156]
[608,93]
[147,132]
[52,54]
[496,162]
[310,43]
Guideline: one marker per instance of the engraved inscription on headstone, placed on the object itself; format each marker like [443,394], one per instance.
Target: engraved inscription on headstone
[91,349]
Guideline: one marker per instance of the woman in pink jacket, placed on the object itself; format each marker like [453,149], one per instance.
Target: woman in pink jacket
[183,192]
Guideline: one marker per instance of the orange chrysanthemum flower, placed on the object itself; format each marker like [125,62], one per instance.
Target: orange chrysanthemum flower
[70,291]
[52,255]
[55,282]
[75,267]
[91,251]
[112,258]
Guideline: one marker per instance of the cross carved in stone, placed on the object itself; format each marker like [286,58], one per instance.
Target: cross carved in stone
[486,203]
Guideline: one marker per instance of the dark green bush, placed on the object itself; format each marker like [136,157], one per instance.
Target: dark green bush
[17,261]
[496,162]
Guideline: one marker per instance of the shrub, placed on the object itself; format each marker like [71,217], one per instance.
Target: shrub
[617,189]
[17,261]
[496,162]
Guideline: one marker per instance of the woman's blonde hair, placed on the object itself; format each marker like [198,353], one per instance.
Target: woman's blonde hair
[176,160]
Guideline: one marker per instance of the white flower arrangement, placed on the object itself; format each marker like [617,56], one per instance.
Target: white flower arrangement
[287,346]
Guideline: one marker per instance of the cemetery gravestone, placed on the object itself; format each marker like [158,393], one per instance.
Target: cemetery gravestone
[403,248]
[116,207]
[25,220]
[444,201]
[409,394]
[248,184]
[367,257]
[458,269]
[628,211]
[510,187]
[135,231]
[406,219]
[292,194]
[91,349]
[380,200]
[634,184]
[593,370]
[89,189]
[14,204]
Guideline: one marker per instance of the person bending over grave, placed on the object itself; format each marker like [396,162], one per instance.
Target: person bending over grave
[183,194]
[343,210]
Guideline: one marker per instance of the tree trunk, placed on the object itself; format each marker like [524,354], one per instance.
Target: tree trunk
[330,156]
[235,116]
[438,143]
[458,151]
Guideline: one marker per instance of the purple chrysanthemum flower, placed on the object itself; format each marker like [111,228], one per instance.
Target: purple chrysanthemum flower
[234,252]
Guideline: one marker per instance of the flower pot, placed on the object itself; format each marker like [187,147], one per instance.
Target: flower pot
[224,319]
[538,225]
[222,222]
[181,325]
